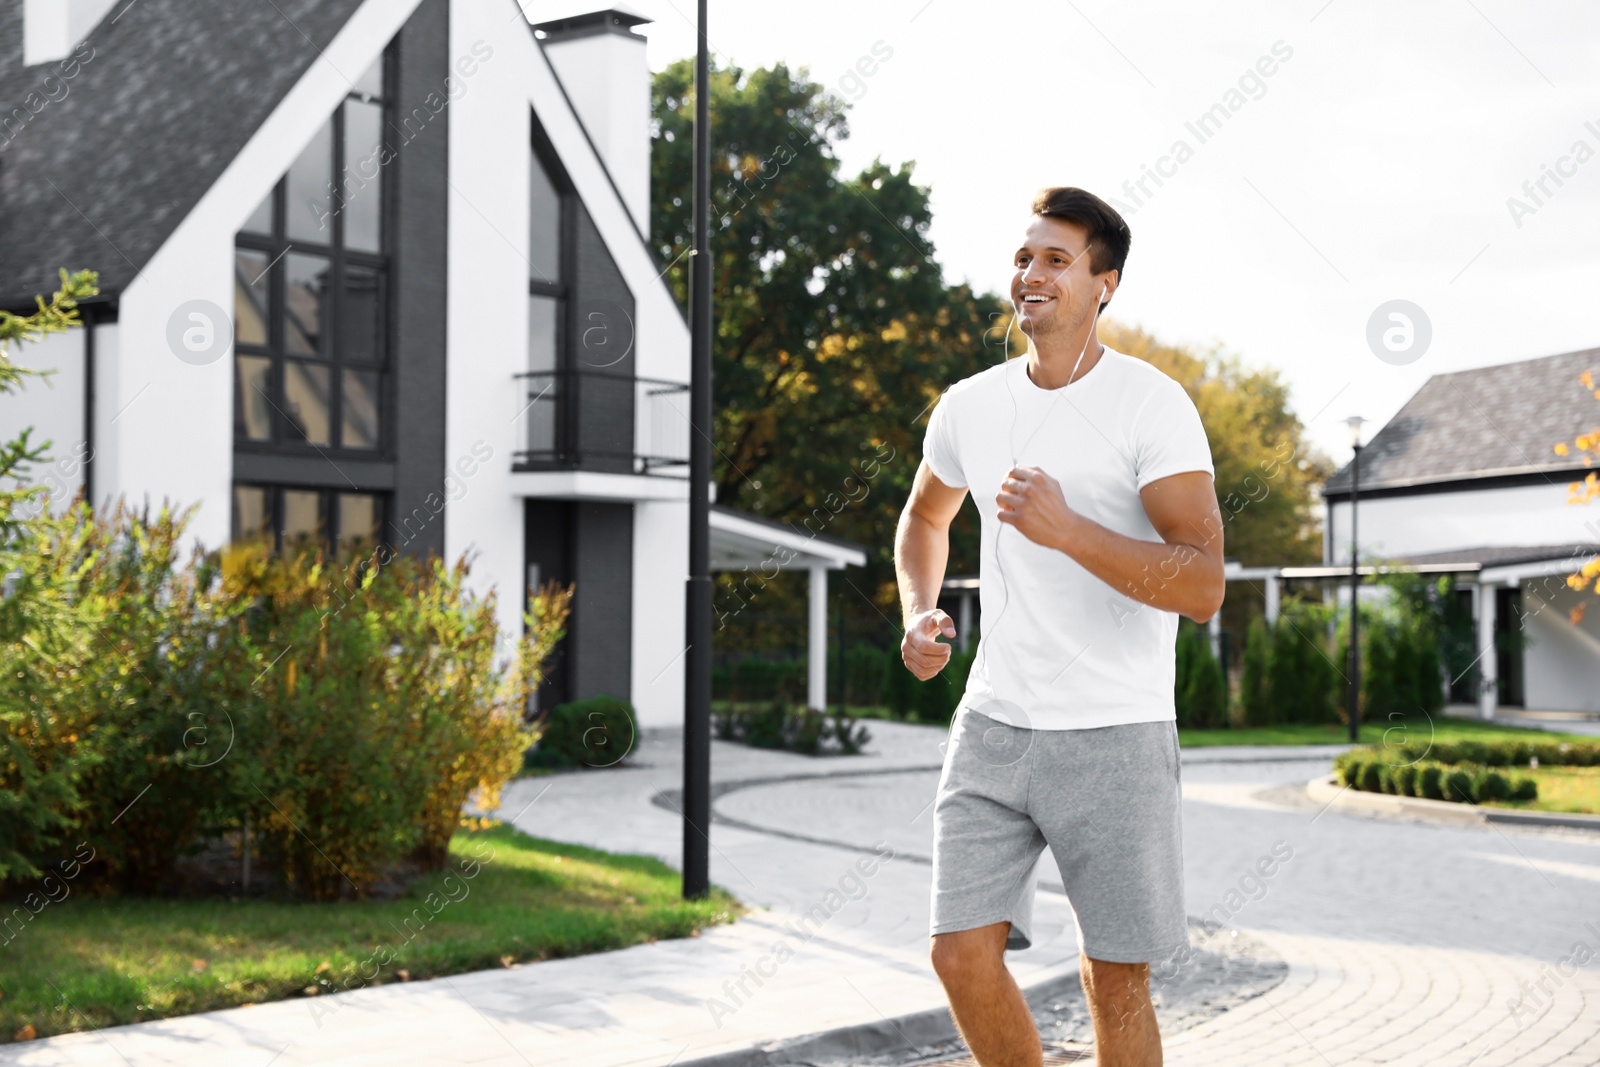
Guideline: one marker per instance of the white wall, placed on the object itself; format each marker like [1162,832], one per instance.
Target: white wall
[1560,661]
[1437,522]
[53,408]
[487,334]
[173,440]
[608,80]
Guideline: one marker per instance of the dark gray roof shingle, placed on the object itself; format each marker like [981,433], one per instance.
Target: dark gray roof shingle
[1491,421]
[175,88]
[1503,555]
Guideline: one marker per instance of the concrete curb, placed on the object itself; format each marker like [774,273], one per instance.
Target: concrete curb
[923,1028]
[1328,791]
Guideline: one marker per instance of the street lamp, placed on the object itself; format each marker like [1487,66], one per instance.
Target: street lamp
[1355,422]
[697,594]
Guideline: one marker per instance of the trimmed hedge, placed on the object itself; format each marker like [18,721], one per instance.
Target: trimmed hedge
[778,724]
[1504,753]
[1465,783]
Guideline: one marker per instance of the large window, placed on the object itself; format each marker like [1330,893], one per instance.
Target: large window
[548,226]
[295,518]
[310,293]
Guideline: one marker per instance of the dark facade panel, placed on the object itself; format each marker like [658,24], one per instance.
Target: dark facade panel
[603,599]
[419,250]
[602,352]
[547,555]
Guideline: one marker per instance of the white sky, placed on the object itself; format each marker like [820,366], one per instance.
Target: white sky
[1376,165]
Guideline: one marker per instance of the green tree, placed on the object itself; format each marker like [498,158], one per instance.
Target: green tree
[40,765]
[1255,707]
[1302,680]
[835,332]
[1200,691]
[19,454]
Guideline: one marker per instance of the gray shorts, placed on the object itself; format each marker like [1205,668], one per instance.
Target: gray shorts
[1105,800]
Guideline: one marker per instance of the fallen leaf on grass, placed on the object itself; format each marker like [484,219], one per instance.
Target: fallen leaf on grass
[505,961]
[311,990]
[323,966]
[27,1033]
[403,975]
[197,966]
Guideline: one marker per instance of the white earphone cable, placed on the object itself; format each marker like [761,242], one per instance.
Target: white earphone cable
[1016,454]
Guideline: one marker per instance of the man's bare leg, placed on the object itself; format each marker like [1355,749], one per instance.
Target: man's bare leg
[988,1007]
[1125,1031]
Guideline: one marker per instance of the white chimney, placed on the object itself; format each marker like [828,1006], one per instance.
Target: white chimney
[51,29]
[601,63]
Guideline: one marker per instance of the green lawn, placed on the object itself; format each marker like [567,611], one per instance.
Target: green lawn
[85,963]
[1563,789]
[1440,729]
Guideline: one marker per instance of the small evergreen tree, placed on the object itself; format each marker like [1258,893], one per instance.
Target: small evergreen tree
[1254,672]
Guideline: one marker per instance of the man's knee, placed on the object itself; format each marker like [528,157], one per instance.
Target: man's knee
[966,954]
[1116,985]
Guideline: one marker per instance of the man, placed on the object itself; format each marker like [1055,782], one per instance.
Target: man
[1100,527]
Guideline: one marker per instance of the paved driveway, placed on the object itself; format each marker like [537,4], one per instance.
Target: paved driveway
[1405,943]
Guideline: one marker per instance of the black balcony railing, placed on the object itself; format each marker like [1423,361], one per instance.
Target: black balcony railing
[591,420]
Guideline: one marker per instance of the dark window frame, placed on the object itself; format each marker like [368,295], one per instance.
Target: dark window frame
[277,247]
[327,504]
[543,150]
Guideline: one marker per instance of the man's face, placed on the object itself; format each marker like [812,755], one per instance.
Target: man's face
[1054,288]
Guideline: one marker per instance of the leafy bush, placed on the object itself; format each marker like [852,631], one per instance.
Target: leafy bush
[933,701]
[755,679]
[1371,780]
[1459,786]
[865,668]
[344,716]
[597,732]
[1525,789]
[1430,781]
[1405,780]
[1350,767]
[1490,785]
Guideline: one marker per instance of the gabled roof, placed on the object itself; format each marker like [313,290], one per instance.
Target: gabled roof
[175,88]
[1485,423]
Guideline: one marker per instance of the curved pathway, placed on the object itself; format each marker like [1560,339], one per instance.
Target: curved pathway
[1405,943]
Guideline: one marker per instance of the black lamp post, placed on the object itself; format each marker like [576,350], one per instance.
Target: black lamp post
[1354,422]
[697,602]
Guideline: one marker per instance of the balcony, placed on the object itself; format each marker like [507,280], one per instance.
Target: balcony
[594,421]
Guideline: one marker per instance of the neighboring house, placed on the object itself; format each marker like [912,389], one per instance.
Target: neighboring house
[1465,479]
[371,271]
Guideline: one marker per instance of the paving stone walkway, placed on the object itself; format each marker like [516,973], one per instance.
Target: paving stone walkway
[1403,943]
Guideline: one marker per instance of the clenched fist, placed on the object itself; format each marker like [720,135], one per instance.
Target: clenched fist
[924,655]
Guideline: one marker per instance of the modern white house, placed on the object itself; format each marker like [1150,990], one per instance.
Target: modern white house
[1466,479]
[371,271]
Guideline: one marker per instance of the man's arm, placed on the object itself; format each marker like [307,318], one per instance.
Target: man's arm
[1182,575]
[921,548]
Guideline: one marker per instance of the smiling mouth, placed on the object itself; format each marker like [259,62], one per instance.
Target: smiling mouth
[1035,299]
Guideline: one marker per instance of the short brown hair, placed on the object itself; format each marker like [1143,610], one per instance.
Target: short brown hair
[1109,236]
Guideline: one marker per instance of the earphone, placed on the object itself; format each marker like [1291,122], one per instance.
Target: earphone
[1016,454]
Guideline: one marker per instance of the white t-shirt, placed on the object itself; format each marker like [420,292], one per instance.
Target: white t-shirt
[1060,649]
